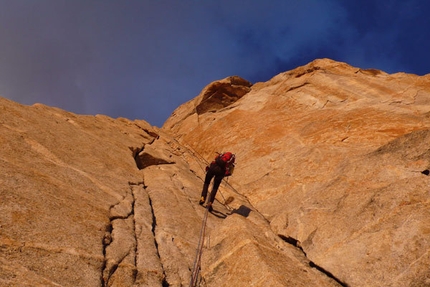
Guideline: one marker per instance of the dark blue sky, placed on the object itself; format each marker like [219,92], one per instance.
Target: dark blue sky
[140,59]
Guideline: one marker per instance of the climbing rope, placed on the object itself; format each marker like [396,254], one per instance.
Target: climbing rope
[196,265]
[199,251]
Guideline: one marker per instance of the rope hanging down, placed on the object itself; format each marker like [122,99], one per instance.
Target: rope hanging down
[199,251]
[196,265]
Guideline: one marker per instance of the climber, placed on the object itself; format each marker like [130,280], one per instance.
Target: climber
[223,165]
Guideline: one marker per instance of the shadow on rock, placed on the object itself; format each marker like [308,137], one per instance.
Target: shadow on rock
[242,210]
[218,214]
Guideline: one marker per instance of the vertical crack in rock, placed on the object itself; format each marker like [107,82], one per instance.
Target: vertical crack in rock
[154,226]
[119,244]
[149,268]
[296,243]
[107,239]
[134,271]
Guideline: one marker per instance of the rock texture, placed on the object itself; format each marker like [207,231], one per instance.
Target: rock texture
[331,187]
[337,159]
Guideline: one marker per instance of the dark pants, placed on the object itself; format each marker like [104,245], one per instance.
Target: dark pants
[216,172]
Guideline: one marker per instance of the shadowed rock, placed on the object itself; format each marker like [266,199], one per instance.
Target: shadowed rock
[221,94]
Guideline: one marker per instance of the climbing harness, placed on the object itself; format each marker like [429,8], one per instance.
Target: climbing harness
[196,265]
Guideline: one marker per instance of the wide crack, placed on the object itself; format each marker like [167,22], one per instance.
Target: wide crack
[296,243]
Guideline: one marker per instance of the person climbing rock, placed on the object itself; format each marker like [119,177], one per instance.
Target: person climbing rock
[221,166]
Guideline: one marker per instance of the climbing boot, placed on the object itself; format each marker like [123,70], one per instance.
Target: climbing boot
[205,190]
[202,200]
[209,206]
[204,193]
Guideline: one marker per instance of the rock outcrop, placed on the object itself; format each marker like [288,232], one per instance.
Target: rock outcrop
[214,97]
[337,159]
[331,187]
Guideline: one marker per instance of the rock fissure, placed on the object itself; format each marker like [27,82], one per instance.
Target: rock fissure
[329,274]
[107,239]
[144,159]
[153,228]
[308,71]
[154,224]
[107,274]
[154,135]
[296,243]
[134,233]
[296,87]
[120,241]
[135,151]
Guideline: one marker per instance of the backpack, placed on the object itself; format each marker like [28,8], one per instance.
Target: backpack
[226,161]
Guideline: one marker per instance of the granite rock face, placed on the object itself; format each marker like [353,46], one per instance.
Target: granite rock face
[337,159]
[331,187]
[96,201]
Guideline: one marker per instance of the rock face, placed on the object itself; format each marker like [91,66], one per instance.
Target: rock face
[331,187]
[337,160]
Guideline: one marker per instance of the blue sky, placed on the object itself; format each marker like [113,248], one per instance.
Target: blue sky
[140,59]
